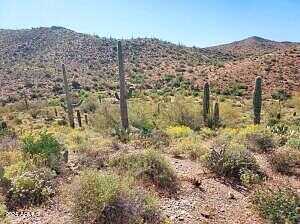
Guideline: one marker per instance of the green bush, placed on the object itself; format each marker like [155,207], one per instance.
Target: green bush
[277,205]
[234,162]
[279,129]
[30,188]
[43,145]
[149,166]
[18,169]
[102,199]
[3,214]
[294,143]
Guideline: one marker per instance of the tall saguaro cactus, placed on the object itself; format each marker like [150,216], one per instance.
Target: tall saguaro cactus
[206,102]
[68,98]
[257,100]
[123,94]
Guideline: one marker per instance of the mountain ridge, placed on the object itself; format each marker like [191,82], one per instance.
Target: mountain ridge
[32,57]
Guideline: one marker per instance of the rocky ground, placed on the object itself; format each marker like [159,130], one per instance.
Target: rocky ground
[202,198]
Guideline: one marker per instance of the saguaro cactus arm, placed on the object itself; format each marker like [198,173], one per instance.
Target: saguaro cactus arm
[68,98]
[123,95]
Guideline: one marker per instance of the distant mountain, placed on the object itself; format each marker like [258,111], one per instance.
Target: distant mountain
[30,60]
[252,46]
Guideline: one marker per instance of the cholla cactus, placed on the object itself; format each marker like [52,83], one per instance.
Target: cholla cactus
[257,100]
[206,98]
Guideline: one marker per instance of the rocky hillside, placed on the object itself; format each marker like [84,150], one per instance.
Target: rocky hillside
[30,61]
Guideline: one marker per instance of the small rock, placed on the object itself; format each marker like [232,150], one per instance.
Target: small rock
[231,195]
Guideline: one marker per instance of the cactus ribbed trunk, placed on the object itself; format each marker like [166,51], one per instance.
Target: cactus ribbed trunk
[26,101]
[79,118]
[257,100]
[206,102]
[123,95]
[216,116]
[86,119]
[68,98]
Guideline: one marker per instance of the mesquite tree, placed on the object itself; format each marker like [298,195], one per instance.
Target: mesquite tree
[257,100]
[68,98]
[123,94]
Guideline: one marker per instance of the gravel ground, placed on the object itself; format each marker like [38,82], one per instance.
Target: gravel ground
[202,198]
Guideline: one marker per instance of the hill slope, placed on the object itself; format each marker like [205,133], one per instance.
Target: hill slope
[30,60]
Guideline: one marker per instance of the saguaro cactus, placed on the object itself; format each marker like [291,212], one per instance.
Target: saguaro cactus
[216,115]
[26,100]
[206,102]
[86,119]
[79,118]
[68,98]
[123,94]
[257,100]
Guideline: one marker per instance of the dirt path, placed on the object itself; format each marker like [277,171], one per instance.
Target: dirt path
[211,202]
[51,213]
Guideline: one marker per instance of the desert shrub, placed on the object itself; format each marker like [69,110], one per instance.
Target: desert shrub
[182,111]
[296,101]
[260,142]
[207,133]
[18,169]
[285,160]
[30,188]
[149,166]
[294,142]
[3,214]
[141,116]
[76,140]
[106,117]
[43,145]
[90,104]
[257,138]
[178,131]
[122,134]
[231,116]
[193,146]
[8,157]
[233,162]
[279,129]
[102,198]
[158,139]
[277,205]
[249,178]
[280,95]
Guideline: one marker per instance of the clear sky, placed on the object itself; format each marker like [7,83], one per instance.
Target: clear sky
[190,22]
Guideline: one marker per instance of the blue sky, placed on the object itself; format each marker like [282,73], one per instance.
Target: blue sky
[190,22]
